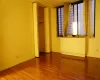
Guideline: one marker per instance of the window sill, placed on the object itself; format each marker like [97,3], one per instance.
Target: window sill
[76,36]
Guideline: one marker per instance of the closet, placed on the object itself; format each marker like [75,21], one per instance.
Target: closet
[41,29]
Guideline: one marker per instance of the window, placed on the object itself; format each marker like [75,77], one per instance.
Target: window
[76,20]
[60,20]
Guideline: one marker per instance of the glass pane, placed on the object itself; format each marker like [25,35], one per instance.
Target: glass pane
[75,20]
[62,18]
[81,29]
[59,20]
[92,16]
[70,27]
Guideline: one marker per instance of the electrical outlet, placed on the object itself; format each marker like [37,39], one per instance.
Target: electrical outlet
[17,57]
[97,50]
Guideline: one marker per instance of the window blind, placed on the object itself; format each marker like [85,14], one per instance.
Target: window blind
[60,20]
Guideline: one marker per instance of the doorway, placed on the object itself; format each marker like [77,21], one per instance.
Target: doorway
[41,29]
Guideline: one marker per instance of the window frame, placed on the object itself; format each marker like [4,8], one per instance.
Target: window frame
[94,16]
[73,4]
[76,36]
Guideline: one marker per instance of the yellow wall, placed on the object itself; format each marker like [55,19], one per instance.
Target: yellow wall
[73,46]
[55,41]
[76,46]
[94,43]
[16,32]
[69,46]
[35,22]
[47,28]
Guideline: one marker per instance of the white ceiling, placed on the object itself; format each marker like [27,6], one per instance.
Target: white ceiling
[53,3]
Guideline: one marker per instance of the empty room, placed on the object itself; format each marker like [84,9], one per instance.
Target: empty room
[49,40]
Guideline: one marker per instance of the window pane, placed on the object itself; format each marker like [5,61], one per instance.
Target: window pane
[75,13]
[60,19]
[75,20]
[71,18]
[81,30]
[92,15]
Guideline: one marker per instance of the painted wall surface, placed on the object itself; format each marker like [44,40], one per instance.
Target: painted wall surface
[47,28]
[55,41]
[35,26]
[16,32]
[69,46]
[73,46]
[94,43]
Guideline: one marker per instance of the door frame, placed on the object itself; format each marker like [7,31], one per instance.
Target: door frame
[47,29]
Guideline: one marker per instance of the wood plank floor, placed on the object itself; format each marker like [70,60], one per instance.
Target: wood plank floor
[54,67]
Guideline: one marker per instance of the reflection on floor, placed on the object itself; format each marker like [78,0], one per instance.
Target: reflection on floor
[54,67]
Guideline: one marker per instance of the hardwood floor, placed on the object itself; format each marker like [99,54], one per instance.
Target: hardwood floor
[54,67]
